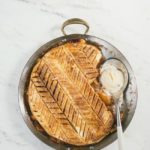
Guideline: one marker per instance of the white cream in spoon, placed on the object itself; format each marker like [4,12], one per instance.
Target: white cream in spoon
[111,78]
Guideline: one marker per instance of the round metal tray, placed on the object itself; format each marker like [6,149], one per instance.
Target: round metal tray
[109,51]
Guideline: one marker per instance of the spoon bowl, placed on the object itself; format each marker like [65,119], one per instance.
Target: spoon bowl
[122,68]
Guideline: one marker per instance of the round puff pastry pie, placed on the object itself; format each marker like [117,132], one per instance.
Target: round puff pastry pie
[65,97]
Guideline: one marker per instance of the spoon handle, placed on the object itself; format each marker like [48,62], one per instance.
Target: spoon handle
[120,138]
[119,129]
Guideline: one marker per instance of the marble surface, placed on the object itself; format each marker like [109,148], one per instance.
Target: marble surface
[25,25]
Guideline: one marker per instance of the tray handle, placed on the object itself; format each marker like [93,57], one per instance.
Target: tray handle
[74,21]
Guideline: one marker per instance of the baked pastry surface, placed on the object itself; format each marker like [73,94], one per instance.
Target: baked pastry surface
[65,97]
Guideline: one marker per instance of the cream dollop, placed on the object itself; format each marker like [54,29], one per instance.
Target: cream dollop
[111,79]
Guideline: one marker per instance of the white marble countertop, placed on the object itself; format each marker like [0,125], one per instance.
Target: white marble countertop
[25,25]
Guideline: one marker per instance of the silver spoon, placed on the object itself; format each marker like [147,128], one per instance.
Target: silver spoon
[116,94]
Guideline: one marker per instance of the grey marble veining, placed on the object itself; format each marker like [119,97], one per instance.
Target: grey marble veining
[25,25]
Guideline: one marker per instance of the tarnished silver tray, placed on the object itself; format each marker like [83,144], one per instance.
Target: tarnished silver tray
[109,51]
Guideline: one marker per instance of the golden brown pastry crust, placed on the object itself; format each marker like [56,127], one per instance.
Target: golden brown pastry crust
[62,97]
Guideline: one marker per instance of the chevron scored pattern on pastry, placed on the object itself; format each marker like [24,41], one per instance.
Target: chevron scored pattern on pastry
[62,95]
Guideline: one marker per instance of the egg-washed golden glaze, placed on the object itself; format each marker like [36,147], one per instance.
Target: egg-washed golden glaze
[62,95]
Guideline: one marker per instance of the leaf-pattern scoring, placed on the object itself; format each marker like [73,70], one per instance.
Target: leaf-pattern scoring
[61,97]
